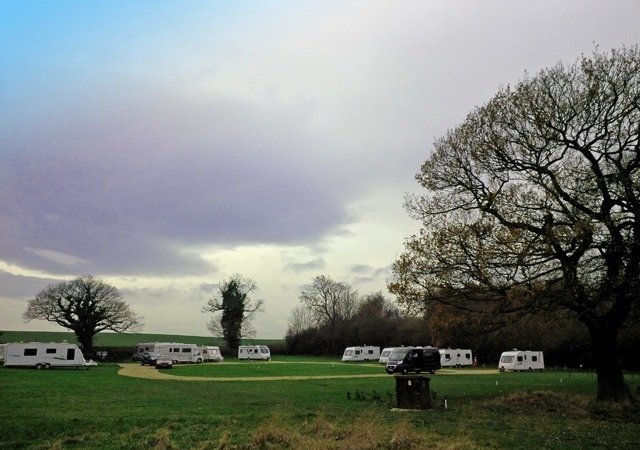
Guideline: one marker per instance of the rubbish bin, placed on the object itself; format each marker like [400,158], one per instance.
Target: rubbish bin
[412,392]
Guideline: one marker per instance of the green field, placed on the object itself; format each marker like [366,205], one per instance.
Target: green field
[97,408]
[119,339]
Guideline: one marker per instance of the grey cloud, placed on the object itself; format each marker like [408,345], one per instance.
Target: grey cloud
[361,269]
[208,287]
[314,264]
[124,202]
[19,286]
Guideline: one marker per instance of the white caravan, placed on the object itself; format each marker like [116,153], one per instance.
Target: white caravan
[261,352]
[179,353]
[518,360]
[210,353]
[44,355]
[361,353]
[385,353]
[455,357]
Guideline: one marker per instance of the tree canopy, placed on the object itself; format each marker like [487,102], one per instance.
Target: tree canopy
[85,305]
[237,309]
[533,203]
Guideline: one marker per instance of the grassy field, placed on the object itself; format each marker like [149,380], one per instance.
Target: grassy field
[118,339]
[97,408]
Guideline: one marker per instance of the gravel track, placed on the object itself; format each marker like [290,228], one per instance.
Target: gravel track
[151,373]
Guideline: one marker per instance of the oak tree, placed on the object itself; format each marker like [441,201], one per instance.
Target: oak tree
[533,203]
[85,305]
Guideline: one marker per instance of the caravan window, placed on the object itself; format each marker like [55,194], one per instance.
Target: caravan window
[357,352]
[30,351]
[371,352]
[50,350]
[507,359]
[447,356]
[519,358]
[468,356]
[186,350]
[534,358]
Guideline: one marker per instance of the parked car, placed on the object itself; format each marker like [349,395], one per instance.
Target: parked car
[413,359]
[150,358]
[164,361]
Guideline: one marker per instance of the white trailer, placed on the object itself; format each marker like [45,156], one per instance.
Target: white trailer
[361,353]
[260,352]
[211,353]
[44,355]
[455,357]
[178,352]
[519,360]
[385,353]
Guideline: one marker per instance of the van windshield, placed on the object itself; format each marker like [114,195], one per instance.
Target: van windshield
[399,354]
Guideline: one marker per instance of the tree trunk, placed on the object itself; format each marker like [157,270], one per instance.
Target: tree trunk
[86,342]
[611,384]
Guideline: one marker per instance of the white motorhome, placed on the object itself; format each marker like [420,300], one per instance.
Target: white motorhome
[211,353]
[261,352]
[518,360]
[455,357]
[178,352]
[361,353]
[142,348]
[385,353]
[44,355]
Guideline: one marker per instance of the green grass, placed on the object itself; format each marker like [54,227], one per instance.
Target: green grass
[97,408]
[119,339]
[276,369]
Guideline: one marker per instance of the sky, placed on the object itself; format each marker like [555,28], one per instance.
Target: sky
[165,146]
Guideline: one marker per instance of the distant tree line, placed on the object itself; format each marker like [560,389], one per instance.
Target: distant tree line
[331,315]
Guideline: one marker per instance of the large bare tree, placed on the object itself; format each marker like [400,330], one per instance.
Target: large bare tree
[533,203]
[85,305]
[329,301]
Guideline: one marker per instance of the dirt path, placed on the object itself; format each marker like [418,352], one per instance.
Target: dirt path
[139,371]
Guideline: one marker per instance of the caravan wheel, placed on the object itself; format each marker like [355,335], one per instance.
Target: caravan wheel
[38,366]
[47,366]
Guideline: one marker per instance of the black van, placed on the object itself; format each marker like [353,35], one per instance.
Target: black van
[413,359]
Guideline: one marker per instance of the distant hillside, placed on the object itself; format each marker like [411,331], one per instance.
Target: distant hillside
[120,339]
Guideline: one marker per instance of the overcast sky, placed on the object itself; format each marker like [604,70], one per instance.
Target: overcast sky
[164,146]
